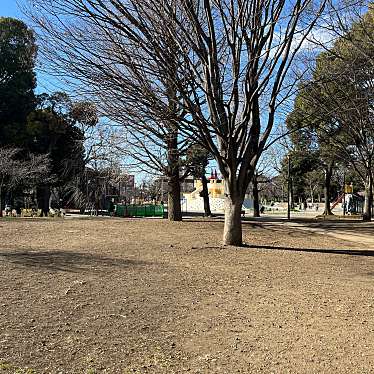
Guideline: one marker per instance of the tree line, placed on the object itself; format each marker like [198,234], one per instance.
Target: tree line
[41,135]
[331,123]
[180,74]
[181,71]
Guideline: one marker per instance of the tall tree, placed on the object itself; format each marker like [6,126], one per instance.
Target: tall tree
[52,129]
[126,85]
[17,79]
[308,132]
[340,96]
[55,128]
[223,62]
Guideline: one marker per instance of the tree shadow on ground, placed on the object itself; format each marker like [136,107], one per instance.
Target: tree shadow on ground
[349,252]
[359,227]
[68,261]
[347,227]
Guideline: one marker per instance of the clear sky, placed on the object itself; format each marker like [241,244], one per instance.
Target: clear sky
[9,8]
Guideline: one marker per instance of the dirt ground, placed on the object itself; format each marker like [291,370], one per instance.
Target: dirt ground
[148,296]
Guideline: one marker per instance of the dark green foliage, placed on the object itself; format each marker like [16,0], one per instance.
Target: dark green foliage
[52,128]
[47,125]
[333,111]
[197,160]
[17,79]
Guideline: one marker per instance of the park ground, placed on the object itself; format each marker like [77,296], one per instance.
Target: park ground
[150,296]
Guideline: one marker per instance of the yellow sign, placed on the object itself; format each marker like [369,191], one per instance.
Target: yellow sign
[348,188]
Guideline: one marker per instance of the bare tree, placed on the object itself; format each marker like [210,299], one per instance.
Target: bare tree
[95,44]
[241,53]
[314,181]
[9,172]
[151,149]
[212,70]
[15,171]
[262,176]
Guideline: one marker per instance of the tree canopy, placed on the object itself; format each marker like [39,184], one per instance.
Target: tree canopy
[334,109]
[211,70]
[17,78]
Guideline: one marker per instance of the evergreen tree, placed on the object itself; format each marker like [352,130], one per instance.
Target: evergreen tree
[17,79]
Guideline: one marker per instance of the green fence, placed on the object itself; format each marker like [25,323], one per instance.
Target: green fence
[139,210]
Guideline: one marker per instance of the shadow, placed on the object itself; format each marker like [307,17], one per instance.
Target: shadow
[348,252]
[314,220]
[356,227]
[346,226]
[67,261]
[264,219]
[194,216]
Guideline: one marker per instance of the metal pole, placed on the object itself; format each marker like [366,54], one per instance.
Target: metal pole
[289,189]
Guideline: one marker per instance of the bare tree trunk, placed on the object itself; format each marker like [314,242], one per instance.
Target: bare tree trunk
[43,194]
[232,232]
[368,204]
[256,202]
[205,196]
[327,190]
[174,199]
[187,57]
[1,201]
[290,193]
[96,203]
[174,187]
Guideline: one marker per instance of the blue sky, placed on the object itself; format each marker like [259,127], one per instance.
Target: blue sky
[9,8]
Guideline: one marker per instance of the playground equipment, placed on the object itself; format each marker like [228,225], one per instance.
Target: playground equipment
[193,202]
[351,202]
[338,200]
[139,210]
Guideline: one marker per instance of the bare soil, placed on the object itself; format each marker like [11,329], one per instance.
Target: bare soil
[149,296]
